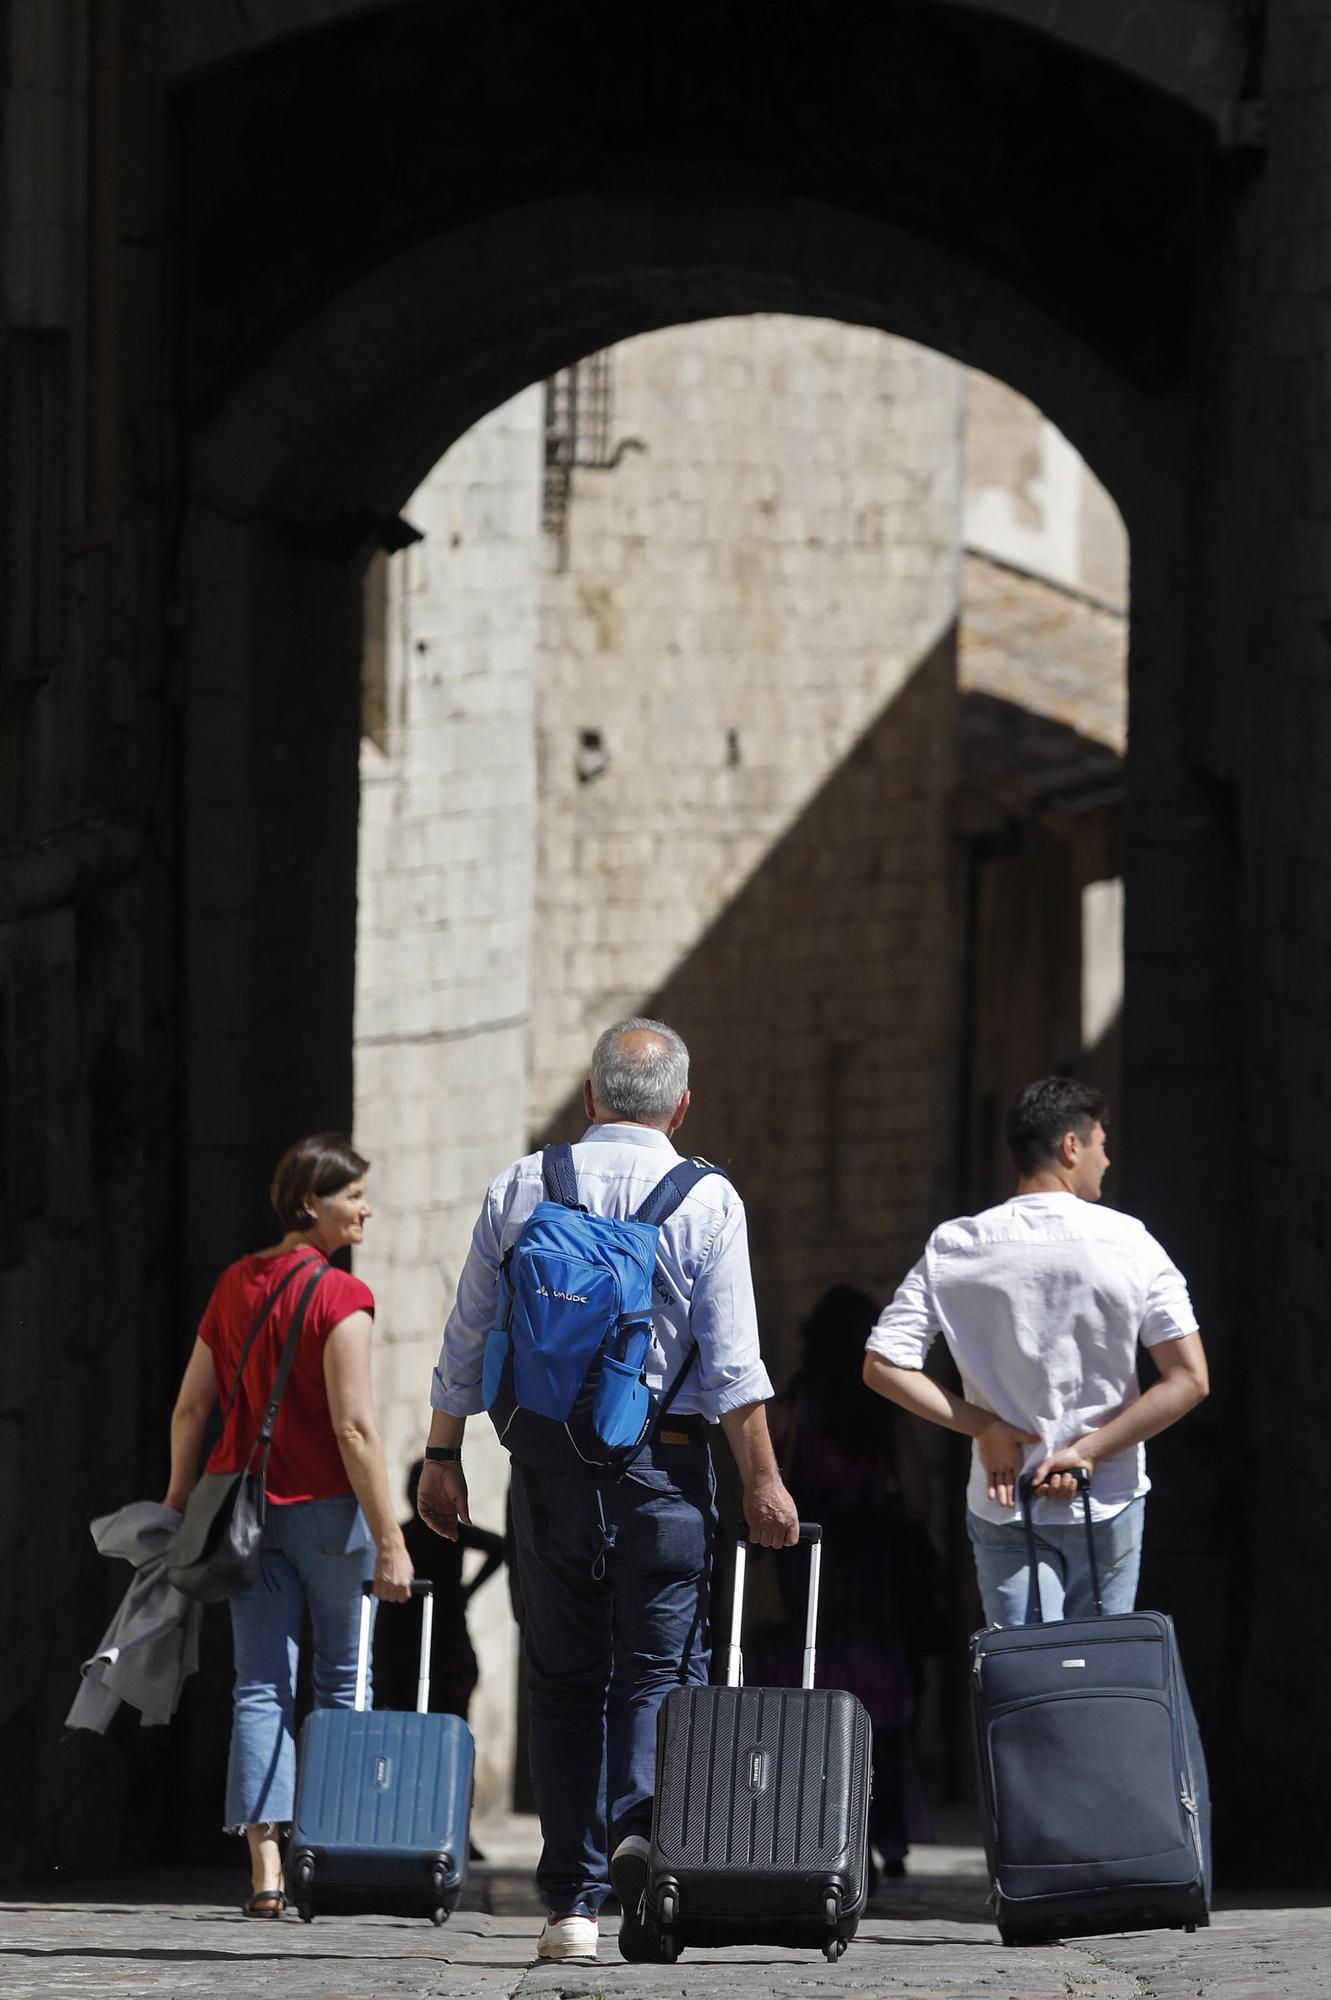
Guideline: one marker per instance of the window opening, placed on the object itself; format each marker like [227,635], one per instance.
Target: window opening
[579,414]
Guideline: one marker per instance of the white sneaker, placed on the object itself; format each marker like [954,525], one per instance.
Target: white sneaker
[569,1937]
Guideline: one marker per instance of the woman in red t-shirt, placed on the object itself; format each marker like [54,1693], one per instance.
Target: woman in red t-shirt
[329,1508]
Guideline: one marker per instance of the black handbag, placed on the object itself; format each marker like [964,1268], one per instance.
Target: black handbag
[215,1553]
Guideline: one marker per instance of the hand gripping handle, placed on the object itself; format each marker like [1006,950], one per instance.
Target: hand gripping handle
[1026,1490]
[810,1532]
[421,1587]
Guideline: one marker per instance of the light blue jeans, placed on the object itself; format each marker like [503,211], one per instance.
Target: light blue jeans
[1002,1565]
[315,1552]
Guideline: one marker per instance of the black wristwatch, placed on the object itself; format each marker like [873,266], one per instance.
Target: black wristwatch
[443,1454]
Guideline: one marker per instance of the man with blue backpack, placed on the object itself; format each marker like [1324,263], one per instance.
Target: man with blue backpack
[605,1317]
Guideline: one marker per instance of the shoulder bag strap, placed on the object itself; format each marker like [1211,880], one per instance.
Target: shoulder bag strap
[560,1176]
[675,1387]
[264,1441]
[304,1264]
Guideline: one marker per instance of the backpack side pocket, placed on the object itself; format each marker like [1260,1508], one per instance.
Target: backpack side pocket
[492,1371]
[622,1405]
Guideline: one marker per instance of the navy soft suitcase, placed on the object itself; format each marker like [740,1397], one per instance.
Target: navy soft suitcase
[760,1825]
[1097,1815]
[383,1801]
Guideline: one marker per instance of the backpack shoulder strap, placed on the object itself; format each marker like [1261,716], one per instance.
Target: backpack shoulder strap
[559,1176]
[668,1193]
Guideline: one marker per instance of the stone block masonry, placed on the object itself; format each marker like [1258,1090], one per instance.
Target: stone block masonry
[448,830]
[693,756]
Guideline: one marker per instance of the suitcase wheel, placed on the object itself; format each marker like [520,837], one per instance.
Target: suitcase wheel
[669,1909]
[670,1947]
[305,1913]
[439,1916]
[833,1945]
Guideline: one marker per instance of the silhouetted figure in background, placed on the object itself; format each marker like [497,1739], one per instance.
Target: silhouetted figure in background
[864,1480]
[453,1669]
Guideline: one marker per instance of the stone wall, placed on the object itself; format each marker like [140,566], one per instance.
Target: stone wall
[443,963]
[732,646]
[745,735]
[1235,979]
[1043,732]
[88,1353]
[731,657]
[340,311]
[1032,502]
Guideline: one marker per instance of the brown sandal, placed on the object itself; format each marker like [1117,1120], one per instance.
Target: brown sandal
[275,1899]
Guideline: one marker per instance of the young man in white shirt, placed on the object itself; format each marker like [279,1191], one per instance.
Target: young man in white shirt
[1042,1302]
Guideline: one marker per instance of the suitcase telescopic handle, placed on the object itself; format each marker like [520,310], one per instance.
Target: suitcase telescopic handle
[1026,1490]
[423,1588]
[810,1532]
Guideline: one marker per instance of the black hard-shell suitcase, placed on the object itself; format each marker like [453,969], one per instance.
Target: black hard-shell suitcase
[760,1825]
[383,1801]
[1097,1814]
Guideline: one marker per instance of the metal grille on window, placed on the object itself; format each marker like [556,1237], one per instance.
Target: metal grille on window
[579,411]
[34,445]
[23,1087]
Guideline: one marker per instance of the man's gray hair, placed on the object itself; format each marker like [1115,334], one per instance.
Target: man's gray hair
[645,1080]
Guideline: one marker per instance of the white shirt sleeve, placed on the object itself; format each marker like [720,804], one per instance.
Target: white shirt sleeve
[723,1319]
[456,1386]
[1168,1313]
[906,1327]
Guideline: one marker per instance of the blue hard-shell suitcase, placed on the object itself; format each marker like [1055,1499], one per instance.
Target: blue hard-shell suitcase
[1097,1814]
[383,1801]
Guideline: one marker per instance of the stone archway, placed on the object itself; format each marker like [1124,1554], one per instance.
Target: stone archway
[1036,203]
[1188,49]
[316,449]
[296,472]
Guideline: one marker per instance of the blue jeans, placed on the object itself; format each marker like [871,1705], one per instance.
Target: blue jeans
[1002,1565]
[615,1593]
[316,1552]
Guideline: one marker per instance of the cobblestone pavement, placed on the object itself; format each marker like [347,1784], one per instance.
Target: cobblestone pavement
[927,1938]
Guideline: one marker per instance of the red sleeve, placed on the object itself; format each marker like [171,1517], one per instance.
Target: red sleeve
[337,1297]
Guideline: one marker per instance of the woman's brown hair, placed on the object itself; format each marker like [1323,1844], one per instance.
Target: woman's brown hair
[322,1164]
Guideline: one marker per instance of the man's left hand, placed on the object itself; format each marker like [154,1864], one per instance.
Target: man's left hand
[1001,1447]
[1055,1476]
[441,1499]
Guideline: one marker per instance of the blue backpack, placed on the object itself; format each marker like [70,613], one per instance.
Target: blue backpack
[574,1324]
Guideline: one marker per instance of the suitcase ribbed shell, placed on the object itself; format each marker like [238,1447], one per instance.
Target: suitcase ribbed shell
[383,1799]
[761,1809]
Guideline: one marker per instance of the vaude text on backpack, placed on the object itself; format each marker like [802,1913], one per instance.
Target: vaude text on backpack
[574,1324]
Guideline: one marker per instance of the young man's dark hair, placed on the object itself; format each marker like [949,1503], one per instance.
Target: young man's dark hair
[1044,1111]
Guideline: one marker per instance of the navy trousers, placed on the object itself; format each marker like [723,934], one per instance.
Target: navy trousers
[614,1577]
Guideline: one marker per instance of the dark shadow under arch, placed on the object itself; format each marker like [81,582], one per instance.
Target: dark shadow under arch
[364,393]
